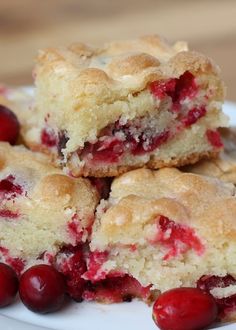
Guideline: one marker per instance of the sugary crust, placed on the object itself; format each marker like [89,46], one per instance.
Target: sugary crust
[99,69]
[50,181]
[138,197]
[224,166]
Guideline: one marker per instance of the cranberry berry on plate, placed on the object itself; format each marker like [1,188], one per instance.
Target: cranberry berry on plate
[184,309]
[8,285]
[42,289]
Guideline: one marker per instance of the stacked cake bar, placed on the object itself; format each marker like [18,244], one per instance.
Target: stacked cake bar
[138,108]
[103,111]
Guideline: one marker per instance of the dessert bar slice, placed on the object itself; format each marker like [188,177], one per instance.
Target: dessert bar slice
[103,111]
[168,229]
[41,209]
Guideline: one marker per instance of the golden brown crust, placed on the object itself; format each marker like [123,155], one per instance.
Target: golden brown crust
[138,197]
[145,59]
[51,182]
[154,163]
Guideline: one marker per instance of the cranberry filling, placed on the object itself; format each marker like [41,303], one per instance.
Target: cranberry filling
[108,151]
[208,282]
[9,125]
[193,116]
[177,238]
[16,263]
[177,88]
[9,189]
[111,148]
[117,139]
[214,138]
[49,138]
[140,148]
[46,257]
[72,266]
[9,214]
[95,262]
[74,228]
[116,289]
[161,89]
[186,87]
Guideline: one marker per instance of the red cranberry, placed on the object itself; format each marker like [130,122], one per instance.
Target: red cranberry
[8,187]
[42,289]
[115,289]
[170,234]
[184,309]
[214,138]
[108,151]
[176,88]
[9,125]
[49,137]
[8,285]
[193,116]
[225,304]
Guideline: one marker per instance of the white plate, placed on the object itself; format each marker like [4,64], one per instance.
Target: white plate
[92,316]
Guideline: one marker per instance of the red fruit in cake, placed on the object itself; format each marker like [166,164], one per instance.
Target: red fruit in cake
[102,185]
[9,125]
[116,289]
[71,263]
[49,138]
[184,309]
[225,304]
[42,289]
[214,138]
[8,285]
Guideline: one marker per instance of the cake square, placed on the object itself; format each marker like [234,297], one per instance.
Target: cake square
[41,209]
[169,229]
[104,111]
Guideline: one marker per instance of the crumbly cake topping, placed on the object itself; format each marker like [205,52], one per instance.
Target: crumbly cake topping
[122,66]
[139,197]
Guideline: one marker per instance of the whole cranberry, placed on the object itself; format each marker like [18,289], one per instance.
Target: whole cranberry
[42,289]
[8,285]
[184,309]
[9,125]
